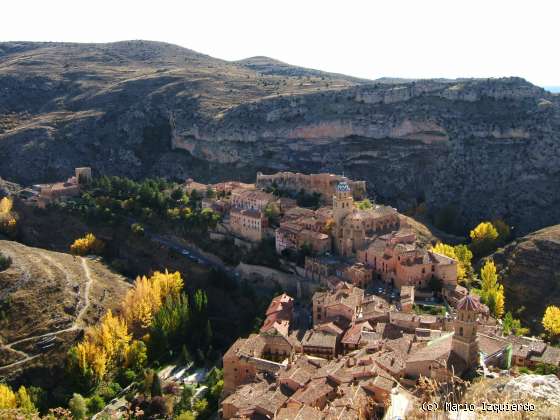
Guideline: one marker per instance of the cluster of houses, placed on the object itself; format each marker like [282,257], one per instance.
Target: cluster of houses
[359,353]
[42,195]
[361,349]
[347,241]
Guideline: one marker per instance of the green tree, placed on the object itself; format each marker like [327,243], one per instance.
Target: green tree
[77,406]
[365,204]
[95,404]
[156,386]
[512,325]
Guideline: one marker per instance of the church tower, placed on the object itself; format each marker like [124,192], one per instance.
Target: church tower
[465,341]
[343,205]
[343,202]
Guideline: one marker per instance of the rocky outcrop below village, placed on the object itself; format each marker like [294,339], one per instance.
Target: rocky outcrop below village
[478,148]
[530,271]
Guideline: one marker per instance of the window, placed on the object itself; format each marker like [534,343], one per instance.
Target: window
[461,331]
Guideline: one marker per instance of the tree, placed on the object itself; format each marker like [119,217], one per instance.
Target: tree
[5,262]
[7,397]
[365,204]
[8,222]
[551,321]
[503,229]
[492,293]
[24,401]
[156,386]
[136,356]
[89,244]
[483,238]
[77,406]
[272,212]
[95,404]
[146,297]
[465,256]
[512,325]
[137,229]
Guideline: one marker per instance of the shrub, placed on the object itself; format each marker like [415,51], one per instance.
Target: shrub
[137,229]
[77,406]
[95,404]
[89,244]
[5,262]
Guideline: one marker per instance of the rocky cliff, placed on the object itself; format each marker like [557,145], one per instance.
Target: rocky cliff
[530,271]
[485,148]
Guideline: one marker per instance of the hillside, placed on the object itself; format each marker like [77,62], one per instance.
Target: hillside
[270,66]
[478,148]
[530,270]
[46,299]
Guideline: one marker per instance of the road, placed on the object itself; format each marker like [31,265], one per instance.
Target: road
[192,254]
[76,325]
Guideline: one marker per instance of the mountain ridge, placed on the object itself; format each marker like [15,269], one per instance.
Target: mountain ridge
[138,108]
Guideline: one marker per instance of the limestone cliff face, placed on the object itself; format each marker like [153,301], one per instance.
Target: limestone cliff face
[530,271]
[489,148]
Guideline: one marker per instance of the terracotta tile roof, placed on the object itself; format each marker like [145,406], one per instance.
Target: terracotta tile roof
[551,355]
[490,344]
[329,327]
[296,413]
[323,339]
[251,213]
[469,303]
[524,346]
[312,392]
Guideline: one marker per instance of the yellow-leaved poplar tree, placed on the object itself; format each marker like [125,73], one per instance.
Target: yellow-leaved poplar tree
[146,297]
[551,321]
[24,401]
[7,398]
[8,222]
[6,205]
[492,293]
[104,347]
[484,238]
[89,244]
[111,335]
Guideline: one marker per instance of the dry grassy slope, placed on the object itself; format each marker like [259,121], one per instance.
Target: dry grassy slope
[46,292]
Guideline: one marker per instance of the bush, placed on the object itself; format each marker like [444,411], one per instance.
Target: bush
[137,229]
[89,244]
[5,262]
[95,404]
[77,406]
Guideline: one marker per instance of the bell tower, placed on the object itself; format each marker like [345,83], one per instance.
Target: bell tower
[465,341]
[343,204]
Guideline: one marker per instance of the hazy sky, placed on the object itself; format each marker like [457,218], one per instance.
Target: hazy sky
[367,38]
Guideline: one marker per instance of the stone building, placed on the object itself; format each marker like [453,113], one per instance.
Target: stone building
[340,306]
[324,184]
[248,223]
[250,199]
[465,341]
[294,236]
[396,259]
[354,229]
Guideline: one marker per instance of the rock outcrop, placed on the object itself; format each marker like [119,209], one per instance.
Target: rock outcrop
[530,271]
[486,148]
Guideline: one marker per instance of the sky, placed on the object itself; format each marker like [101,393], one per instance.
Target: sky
[363,38]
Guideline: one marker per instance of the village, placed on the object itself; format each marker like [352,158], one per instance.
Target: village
[381,310]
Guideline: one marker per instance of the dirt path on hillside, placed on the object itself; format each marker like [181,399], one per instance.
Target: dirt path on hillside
[76,325]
